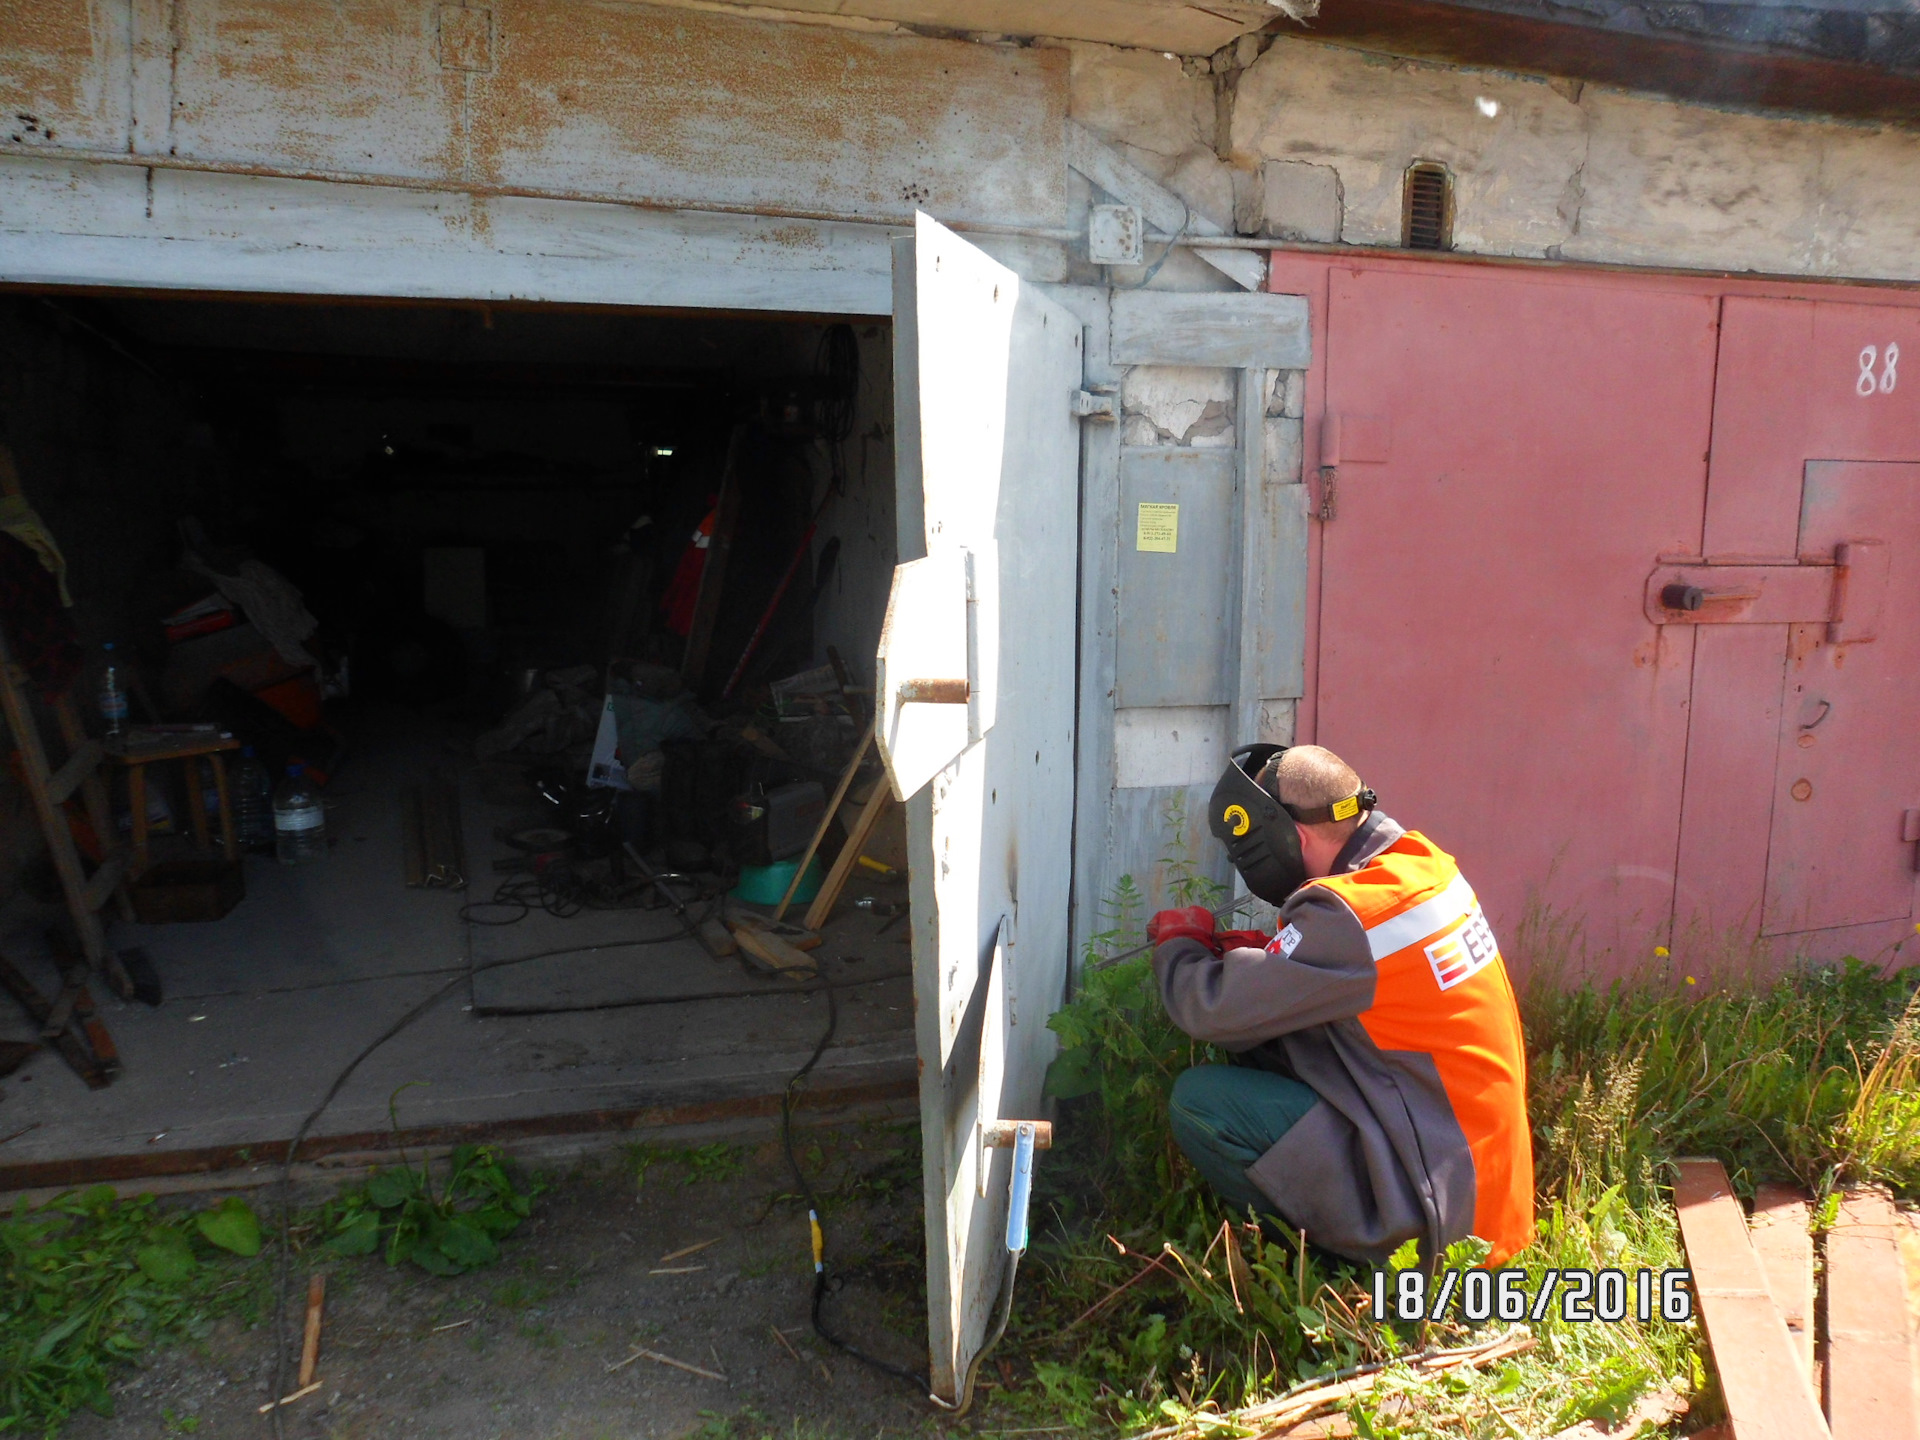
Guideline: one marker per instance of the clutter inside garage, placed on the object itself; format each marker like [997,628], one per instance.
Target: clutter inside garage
[364,652]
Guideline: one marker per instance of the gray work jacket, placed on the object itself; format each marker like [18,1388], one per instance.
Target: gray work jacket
[1382,1158]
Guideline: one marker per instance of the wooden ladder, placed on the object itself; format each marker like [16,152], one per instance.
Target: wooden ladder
[1755,1286]
[50,789]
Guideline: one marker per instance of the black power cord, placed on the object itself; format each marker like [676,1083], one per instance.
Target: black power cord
[816,1232]
[285,1186]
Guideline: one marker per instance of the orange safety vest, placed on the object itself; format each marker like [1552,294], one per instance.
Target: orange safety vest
[1442,990]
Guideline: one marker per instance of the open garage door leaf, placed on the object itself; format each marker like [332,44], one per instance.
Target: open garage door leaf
[974,709]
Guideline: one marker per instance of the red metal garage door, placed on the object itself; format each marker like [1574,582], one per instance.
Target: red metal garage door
[1802,764]
[1511,453]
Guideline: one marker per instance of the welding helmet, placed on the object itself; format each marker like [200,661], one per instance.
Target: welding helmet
[1256,828]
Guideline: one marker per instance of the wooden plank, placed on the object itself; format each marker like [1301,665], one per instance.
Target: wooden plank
[67,779]
[787,933]
[60,1015]
[93,795]
[1234,332]
[104,879]
[765,946]
[1870,1381]
[826,819]
[310,1342]
[1909,1240]
[1779,1229]
[68,1044]
[1768,1395]
[53,820]
[836,880]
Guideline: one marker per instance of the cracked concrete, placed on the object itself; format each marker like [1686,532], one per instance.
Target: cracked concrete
[1558,170]
[1178,405]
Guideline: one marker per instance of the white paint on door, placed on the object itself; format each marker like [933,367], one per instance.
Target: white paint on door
[1168,744]
[986,370]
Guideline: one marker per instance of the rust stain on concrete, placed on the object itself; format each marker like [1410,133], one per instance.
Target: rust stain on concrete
[600,97]
[349,85]
[795,237]
[628,97]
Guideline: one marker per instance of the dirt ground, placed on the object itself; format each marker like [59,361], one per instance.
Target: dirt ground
[530,1348]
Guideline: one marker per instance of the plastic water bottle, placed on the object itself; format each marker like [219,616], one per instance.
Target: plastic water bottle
[299,820]
[253,804]
[113,696]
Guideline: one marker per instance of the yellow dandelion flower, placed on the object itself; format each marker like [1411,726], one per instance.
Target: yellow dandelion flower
[1662,951]
[1689,980]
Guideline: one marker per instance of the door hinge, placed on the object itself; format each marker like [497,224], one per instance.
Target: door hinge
[1329,493]
[1100,403]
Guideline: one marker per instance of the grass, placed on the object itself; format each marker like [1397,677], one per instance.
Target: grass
[698,1164]
[1810,1077]
[89,1282]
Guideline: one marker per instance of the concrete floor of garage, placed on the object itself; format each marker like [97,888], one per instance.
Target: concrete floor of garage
[264,1007]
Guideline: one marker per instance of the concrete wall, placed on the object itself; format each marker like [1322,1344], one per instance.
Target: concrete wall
[494,112]
[1167,758]
[1310,142]
[530,150]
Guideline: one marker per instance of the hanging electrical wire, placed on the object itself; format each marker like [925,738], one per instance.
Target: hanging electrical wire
[816,1232]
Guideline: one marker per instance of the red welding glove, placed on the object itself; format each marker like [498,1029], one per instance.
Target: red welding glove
[1193,923]
[1243,939]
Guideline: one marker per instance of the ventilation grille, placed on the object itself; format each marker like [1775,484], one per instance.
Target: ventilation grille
[1429,208]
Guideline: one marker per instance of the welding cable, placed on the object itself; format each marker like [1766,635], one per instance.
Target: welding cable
[560,890]
[639,1001]
[959,1408]
[1186,219]
[285,1186]
[815,1232]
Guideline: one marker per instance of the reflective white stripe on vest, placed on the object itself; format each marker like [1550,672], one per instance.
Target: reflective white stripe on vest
[1429,917]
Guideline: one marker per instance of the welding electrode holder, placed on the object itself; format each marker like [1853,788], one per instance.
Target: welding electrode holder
[1024,1137]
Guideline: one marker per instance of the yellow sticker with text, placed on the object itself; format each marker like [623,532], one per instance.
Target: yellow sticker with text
[1344,808]
[1158,528]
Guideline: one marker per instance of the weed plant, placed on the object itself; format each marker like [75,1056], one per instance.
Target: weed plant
[88,1280]
[446,1228]
[1811,1077]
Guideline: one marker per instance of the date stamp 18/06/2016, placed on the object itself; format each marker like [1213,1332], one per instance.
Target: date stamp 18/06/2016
[1583,1295]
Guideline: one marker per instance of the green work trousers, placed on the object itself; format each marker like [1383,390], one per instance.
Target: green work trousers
[1225,1117]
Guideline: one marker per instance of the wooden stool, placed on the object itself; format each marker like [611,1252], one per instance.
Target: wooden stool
[142,746]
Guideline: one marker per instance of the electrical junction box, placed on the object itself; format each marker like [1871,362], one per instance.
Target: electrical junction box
[1114,234]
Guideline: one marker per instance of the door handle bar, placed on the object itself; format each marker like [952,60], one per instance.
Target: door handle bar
[934,692]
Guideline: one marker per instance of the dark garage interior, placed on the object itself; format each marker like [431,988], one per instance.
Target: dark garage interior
[566,618]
